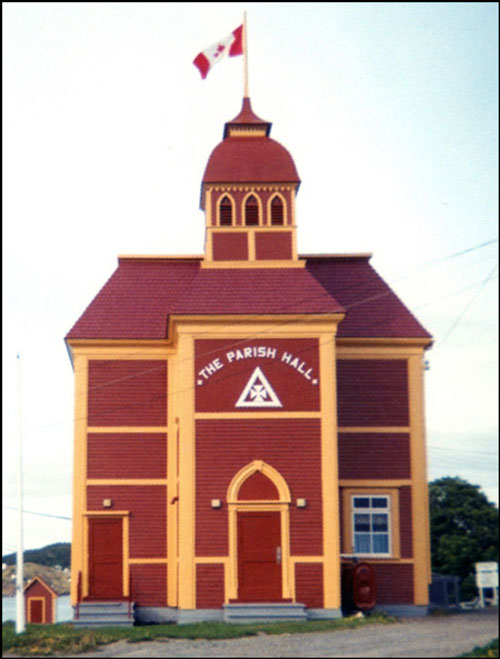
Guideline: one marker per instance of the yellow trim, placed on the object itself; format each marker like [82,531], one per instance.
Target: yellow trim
[208,206]
[329,472]
[253,467]
[236,506]
[127,429]
[212,560]
[44,612]
[222,196]
[253,264]
[257,415]
[381,343]
[147,561]
[285,211]
[78,549]
[419,491]
[172,496]
[126,481]
[307,559]
[373,483]
[182,395]
[378,429]
[348,536]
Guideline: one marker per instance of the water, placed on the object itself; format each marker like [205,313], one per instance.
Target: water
[64,611]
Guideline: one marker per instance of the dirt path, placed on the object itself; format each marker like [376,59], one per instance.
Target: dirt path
[443,636]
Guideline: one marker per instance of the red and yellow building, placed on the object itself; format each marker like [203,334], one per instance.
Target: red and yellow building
[249,419]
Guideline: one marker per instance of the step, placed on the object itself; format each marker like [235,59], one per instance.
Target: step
[264,612]
[102,614]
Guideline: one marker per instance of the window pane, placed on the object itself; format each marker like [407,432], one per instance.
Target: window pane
[380,543]
[362,543]
[379,502]
[361,502]
[361,523]
[380,523]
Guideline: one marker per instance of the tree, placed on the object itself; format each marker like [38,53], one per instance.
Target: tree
[464,530]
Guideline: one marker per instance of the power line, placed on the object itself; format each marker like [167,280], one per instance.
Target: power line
[30,512]
[468,305]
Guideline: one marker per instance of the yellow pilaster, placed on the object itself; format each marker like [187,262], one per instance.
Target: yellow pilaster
[183,393]
[420,504]
[80,365]
[329,468]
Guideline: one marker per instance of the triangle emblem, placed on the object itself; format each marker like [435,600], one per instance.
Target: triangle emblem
[258,392]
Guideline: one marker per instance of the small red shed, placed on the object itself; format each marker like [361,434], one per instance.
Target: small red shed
[39,602]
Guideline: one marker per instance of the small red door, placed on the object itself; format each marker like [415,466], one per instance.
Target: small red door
[105,558]
[259,557]
[36,611]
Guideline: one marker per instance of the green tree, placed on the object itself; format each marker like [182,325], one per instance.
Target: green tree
[464,530]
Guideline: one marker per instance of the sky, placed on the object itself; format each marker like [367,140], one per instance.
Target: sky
[390,112]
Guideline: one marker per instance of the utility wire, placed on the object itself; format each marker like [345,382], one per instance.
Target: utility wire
[468,305]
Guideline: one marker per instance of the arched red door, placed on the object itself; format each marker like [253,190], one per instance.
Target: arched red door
[259,557]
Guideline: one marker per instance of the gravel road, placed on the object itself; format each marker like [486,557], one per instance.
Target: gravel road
[432,636]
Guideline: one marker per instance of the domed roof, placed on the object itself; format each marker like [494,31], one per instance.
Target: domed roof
[248,155]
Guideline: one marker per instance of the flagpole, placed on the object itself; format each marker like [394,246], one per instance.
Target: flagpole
[245,57]
[20,618]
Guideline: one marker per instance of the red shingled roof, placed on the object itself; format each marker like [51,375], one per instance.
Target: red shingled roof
[372,308]
[138,298]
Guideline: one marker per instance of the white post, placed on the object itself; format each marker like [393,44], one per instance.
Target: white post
[20,619]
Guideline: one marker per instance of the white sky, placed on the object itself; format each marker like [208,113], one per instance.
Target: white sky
[390,112]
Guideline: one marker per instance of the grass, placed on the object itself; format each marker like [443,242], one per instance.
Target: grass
[489,650]
[63,639]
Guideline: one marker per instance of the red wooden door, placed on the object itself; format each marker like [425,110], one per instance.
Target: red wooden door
[36,611]
[105,558]
[259,557]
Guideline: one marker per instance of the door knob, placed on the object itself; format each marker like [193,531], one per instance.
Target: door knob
[278,554]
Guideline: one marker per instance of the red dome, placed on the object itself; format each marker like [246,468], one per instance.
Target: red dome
[248,155]
[249,160]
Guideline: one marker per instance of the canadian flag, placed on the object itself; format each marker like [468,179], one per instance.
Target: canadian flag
[232,45]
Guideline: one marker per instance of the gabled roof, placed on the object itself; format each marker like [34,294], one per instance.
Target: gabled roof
[42,583]
[137,300]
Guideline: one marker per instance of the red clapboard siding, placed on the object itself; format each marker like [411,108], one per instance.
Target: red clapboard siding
[291,446]
[374,455]
[149,584]
[229,246]
[273,245]
[209,586]
[394,583]
[127,393]
[126,456]
[147,505]
[372,392]
[309,584]
[405,527]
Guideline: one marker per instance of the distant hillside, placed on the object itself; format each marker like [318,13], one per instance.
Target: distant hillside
[56,579]
[57,554]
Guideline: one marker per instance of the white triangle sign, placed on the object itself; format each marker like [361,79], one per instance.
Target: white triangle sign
[258,392]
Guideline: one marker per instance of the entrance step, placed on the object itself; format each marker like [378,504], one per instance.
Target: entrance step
[104,614]
[264,612]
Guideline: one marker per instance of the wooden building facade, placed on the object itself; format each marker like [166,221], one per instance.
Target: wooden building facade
[248,420]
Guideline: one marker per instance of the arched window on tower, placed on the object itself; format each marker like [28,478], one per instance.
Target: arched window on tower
[251,211]
[277,211]
[225,212]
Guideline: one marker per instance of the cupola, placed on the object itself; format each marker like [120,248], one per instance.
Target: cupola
[248,195]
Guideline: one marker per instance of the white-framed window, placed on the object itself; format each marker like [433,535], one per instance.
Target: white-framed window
[371,524]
